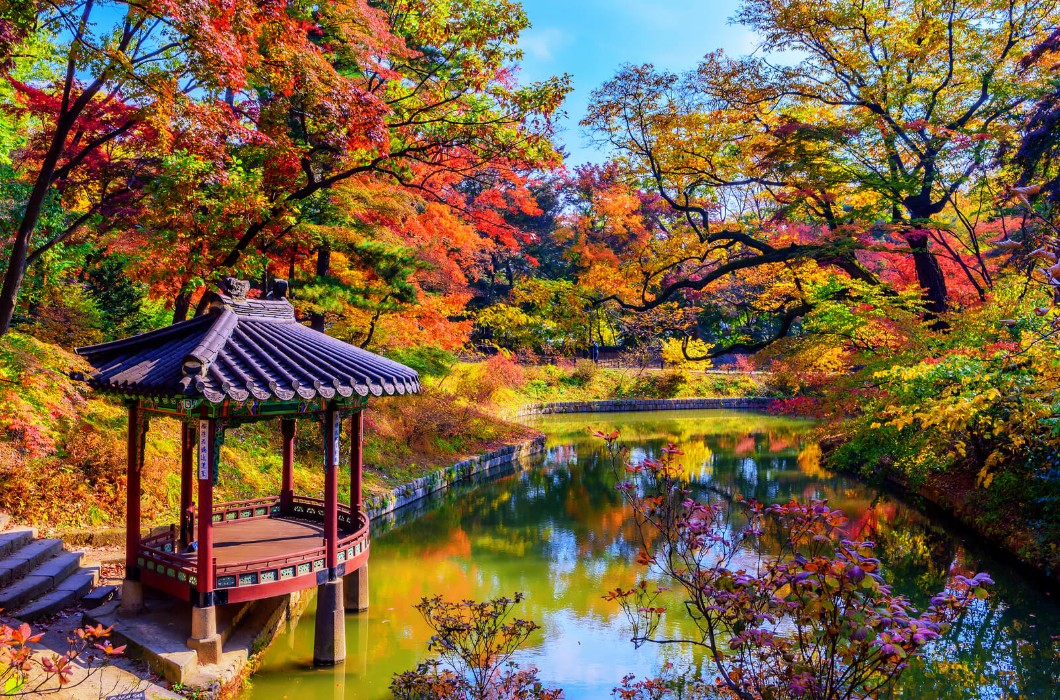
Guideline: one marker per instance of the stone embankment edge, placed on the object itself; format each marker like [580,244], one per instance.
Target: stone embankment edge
[518,454]
[623,405]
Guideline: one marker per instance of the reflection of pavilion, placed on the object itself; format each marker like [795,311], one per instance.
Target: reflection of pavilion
[239,361]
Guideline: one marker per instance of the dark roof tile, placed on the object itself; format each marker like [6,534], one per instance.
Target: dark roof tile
[241,349]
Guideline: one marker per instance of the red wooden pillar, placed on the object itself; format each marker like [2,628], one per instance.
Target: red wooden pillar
[207,467]
[187,479]
[135,463]
[331,490]
[204,637]
[287,482]
[357,464]
[132,594]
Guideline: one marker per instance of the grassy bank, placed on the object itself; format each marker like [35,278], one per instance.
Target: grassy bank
[61,444]
[582,380]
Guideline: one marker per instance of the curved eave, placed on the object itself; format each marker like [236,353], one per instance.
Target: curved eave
[241,395]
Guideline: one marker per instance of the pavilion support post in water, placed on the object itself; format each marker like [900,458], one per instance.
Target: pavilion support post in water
[356,582]
[204,637]
[187,480]
[329,644]
[132,592]
[287,481]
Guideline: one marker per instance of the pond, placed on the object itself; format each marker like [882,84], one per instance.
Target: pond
[560,533]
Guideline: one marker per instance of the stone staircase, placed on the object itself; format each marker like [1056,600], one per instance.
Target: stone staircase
[39,577]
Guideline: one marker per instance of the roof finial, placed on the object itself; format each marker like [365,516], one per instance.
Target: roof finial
[235,288]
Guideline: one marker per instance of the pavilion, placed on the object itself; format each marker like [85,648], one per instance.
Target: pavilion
[244,360]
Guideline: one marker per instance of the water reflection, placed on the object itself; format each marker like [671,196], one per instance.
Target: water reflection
[560,533]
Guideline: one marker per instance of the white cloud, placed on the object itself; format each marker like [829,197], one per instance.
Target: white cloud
[542,44]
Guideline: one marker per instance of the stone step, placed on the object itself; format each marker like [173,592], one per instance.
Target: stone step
[68,591]
[59,567]
[40,580]
[98,596]
[14,539]
[18,563]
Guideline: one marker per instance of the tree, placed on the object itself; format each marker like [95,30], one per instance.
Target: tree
[784,604]
[278,104]
[877,119]
[455,128]
[133,83]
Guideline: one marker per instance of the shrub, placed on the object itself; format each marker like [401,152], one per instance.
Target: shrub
[584,372]
[808,616]
[476,642]
[668,383]
[27,673]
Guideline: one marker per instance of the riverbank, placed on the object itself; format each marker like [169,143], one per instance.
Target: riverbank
[955,496]
[1008,539]
[624,405]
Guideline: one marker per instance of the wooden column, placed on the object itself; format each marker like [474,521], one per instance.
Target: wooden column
[287,481]
[357,463]
[134,469]
[355,584]
[187,479]
[132,594]
[204,637]
[207,457]
[329,633]
[331,490]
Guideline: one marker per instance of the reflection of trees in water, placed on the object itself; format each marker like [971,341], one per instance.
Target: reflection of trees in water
[567,519]
[989,654]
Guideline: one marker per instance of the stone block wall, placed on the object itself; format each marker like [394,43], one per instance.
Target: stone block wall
[623,405]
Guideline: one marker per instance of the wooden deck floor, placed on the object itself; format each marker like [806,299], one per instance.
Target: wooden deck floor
[263,538]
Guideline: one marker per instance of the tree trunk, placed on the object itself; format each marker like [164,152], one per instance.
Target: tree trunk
[928,271]
[181,306]
[929,275]
[16,263]
[316,320]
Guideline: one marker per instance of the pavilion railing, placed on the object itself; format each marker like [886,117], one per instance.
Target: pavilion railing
[308,508]
[158,553]
[302,507]
[237,510]
[271,569]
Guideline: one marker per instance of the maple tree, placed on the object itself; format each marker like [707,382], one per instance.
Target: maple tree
[868,140]
[130,83]
[454,128]
[270,107]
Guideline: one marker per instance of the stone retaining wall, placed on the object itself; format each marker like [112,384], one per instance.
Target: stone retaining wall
[518,455]
[622,405]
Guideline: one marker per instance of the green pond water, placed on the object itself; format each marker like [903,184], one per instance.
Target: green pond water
[560,533]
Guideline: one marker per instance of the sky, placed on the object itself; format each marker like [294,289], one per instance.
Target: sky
[591,39]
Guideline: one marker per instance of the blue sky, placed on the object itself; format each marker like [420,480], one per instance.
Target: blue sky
[590,39]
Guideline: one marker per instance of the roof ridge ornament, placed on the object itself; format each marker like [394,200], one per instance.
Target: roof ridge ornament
[236,288]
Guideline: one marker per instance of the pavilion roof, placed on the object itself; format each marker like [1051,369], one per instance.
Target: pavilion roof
[243,349]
